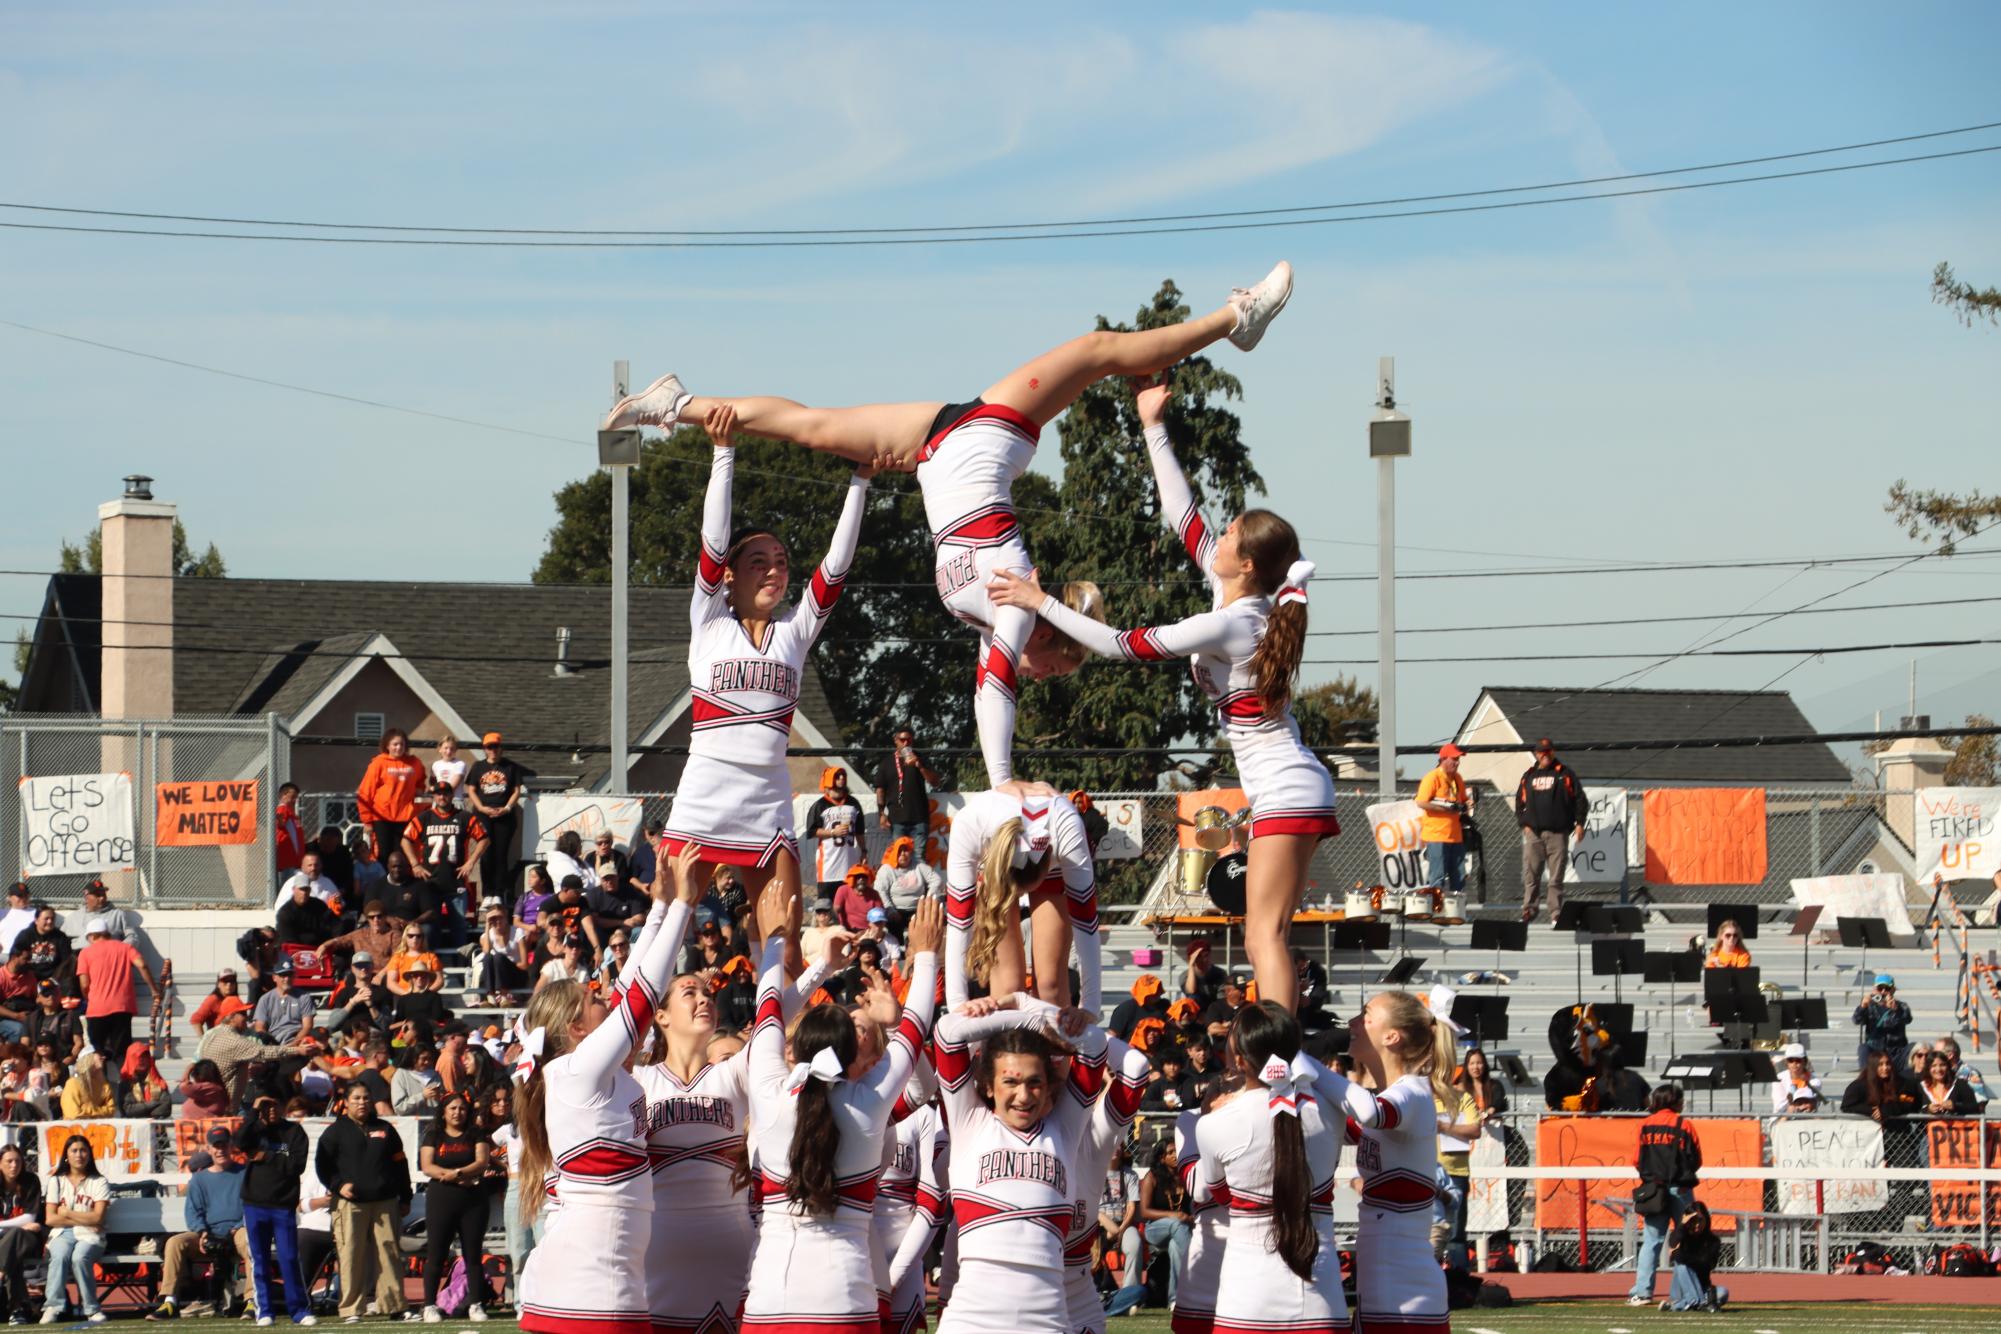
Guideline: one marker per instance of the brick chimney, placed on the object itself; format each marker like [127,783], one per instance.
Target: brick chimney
[137,539]
[1904,766]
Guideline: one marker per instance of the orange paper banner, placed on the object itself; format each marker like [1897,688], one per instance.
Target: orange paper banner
[200,815]
[1230,799]
[1705,835]
[1958,1144]
[1612,1141]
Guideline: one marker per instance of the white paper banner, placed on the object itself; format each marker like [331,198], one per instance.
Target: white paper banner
[1957,834]
[1842,896]
[78,824]
[1394,825]
[1599,858]
[1126,833]
[122,1147]
[550,815]
[1828,1141]
[1487,1196]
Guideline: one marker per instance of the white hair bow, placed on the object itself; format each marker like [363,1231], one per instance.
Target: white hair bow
[1283,1083]
[825,1067]
[1296,576]
[1439,1002]
[531,1052]
[1034,839]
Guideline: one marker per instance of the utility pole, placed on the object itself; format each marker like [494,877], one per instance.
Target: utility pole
[1389,440]
[619,451]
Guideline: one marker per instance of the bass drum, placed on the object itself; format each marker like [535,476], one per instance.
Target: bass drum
[1226,883]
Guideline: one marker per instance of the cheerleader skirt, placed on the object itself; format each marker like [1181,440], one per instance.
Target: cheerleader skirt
[581,1277]
[738,814]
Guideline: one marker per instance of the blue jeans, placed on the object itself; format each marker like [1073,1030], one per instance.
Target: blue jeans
[1175,1234]
[1685,1290]
[521,1238]
[1124,1299]
[919,835]
[266,1226]
[1446,862]
[12,1030]
[77,1257]
[1652,1239]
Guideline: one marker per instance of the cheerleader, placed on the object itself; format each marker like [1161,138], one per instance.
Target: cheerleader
[910,1203]
[583,1136]
[1020,1132]
[697,1109]
[1195,1295]
[1275,1155]
[966,456]
[817,1139]
[1111,1119]
[746,654]
[1002,847]
[1243,653]
[1406,1052]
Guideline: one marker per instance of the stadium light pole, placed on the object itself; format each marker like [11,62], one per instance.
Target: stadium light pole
[1389,440]
[618,451]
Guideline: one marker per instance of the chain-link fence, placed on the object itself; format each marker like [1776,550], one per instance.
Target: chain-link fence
[91,795]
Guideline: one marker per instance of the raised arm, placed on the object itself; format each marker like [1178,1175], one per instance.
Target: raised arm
[1343,1096]
[928,1213]
[1177,501]
[825,588]
[606,1047]
[962,869]
[1209,631]
[957,1036]
[884,1084]
[708,600]
[1114,1111]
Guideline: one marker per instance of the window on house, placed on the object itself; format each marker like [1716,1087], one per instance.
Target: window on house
[368,727]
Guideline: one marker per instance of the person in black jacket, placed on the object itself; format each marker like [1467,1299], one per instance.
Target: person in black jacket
[1695,1252]
[1668,1160]
[362,1164]
[1552,808]
[275,1151]
[21,1232]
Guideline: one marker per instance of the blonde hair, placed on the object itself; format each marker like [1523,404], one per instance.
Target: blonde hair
[1428,1047]
[1000,884]
[553,1009]
[1085,598]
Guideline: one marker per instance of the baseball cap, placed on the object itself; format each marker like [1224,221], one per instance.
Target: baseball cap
[1448,751]
[200,1161]
[282,968]
[1805,1094]
[1545,747]
[96,887]
[362,956]
[1793,1051]
[227,974]
[442,789]
[232,1006]
[823,904]
[218,1137]
[48,988]
[96,927]
[490,739]
[1885,980]
[877,915]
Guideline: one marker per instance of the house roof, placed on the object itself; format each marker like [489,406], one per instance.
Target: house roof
[272,645]
[1571,717]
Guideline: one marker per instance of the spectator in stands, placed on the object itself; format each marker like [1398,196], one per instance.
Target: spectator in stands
[449,769]
[573,965]
[17,996]
[904,880]
[287,834]
[118,923]
[1885,1022]
[77,1195]
[1165,1089]
[1223,1012]
[50,953]
[54,1024]
[1442,794]
[369,872]
[258,949]
[1459,1123]
[834,823]
[1204,1075]
[495,788]
[361,1162]
[203,1092]
[1941,1091]
[410,955]
[1950,1046]
[387,796]
[21,1232]
[444,845]
[88,1096]
[422,1006]
[281,1012]
[205,1013]
[615,903]
[855,897]
[537,893]
[337,860]
[606,856]
[312,875]
[377,935]
[215,1226]
[304,920]
[20,915]
[1186,1021]
[566,859]
[356,998]
[275,1153]
[230,1044]
[903,784]
[1797,1075]
[1313,991]
[1552,809]
[142,1094]
[1203,981]
[1118,1216]
[1476,1080]
[1668,1159]
[617,951]
[1729,950]
[644,861]
[456,1203]
[1165,1219]
[1147,998]
[415,1089]
[502,956]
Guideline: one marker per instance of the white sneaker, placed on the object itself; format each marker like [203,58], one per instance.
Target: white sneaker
[264,1322]
[476,1313]
[96,1318]
[50,1317]
[1255,306]
[1636,1300]
[660,403]
[307,1319]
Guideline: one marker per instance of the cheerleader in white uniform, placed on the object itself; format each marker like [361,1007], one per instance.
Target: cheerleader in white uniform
[817,1138]
[1020,1127]
[746,655]
[1110,1121]
[1407,1053]
[910,1209]
[1275,1154]
[1002,847]
[1195,1294]
[583,1136]
[966,456]
[1243,654]
[697,1109]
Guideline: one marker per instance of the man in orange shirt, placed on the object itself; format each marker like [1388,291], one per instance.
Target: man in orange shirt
[1442,794]
[110,1002]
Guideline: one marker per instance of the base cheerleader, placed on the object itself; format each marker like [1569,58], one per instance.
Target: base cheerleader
[910,1205]
[966,456]
[583,1137]
[1243,654]
[1003,847]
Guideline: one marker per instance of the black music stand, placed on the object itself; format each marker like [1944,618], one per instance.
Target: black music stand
[1670,967]
[1806,1012]
[1863,933]
[1803,928]
[1491,933]
[1402,971]
[1735,1002]
[1615,959]
[1485,1017]
[1362,936]
[1744,914]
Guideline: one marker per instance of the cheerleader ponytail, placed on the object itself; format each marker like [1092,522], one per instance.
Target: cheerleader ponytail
[1430,1047]
[1085,598]
[1272,547]
[1267,1041]
[1001,882]
[824,1044]
[551,1012]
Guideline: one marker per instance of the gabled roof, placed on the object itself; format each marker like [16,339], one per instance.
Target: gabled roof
[252,646]
[1570,717]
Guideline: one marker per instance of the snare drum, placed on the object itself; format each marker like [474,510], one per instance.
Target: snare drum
[1451,910]
[1359,906]
[1417,905]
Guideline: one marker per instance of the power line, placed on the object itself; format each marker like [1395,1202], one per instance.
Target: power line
[991,237]
[1002,226]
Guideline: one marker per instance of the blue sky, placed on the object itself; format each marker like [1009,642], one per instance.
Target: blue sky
[1722,373]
